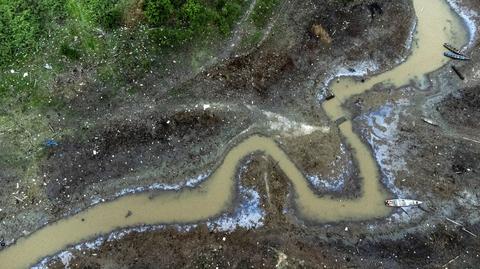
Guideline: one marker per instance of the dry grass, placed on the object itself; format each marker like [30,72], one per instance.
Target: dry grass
[322,34]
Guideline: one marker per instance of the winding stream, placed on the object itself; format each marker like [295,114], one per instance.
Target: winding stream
[436,24]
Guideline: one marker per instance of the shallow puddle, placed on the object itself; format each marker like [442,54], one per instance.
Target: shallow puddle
[436,25]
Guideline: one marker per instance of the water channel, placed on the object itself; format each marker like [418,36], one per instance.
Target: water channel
[436,24]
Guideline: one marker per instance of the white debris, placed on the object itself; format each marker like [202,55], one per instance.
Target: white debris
[66,257]
[327,184]
[25,74]
[248,215]
[291,128]
[429,121]
[190,183]
[382,138]
[48,66]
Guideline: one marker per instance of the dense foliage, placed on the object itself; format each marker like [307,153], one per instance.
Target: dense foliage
[23,22]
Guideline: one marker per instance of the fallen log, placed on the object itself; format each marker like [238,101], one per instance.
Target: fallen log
[458,72]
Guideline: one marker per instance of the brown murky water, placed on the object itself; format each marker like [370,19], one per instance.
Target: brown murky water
[436,25]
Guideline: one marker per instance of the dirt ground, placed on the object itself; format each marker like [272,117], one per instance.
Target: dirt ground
[162,134]
[282,242]
[170,132]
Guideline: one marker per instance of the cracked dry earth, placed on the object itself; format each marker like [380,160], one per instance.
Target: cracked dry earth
[276,89]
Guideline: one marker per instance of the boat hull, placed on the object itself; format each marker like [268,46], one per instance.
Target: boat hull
[402,202]
[456,56]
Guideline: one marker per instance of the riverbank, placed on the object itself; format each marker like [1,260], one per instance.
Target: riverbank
[406,148]
[73,176]
[375,230]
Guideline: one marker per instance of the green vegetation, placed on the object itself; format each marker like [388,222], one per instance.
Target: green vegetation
[52,51]
[175,22]
[251,39]
[262,12]
[22,23]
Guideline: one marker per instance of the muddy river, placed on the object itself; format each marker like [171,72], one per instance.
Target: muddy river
[436,24]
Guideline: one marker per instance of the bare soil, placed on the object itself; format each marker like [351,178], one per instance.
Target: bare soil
[281,243]
[158,135]
[462,108]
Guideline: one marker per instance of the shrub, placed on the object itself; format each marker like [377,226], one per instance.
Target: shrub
[105,13]
[69,52]
[23,23]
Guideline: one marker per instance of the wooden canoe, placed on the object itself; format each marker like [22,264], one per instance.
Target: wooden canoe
[456,56]
[453,49]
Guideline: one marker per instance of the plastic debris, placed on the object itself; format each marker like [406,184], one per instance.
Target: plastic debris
[429,121]
[50,143]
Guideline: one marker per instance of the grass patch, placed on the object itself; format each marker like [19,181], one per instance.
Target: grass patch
[262,12]
[42,41]
[23,23]
[176,22]
[70,52]
[251,39]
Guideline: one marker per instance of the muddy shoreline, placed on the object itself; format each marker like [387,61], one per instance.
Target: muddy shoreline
[103,191]
[335,239]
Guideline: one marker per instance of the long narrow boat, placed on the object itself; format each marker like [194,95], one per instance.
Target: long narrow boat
[453,49]
[402,202]
[456,56]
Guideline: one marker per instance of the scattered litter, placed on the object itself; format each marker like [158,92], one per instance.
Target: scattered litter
[402,202]
[471,140]
[48,66]
[25,74]
[19,199]
[463,227]
[458,72]
[455,56]
[12,71]
[429,121]
[450,261]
